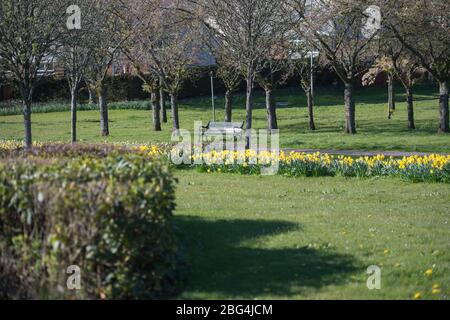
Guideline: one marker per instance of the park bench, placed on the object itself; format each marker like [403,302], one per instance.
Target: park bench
[224,128]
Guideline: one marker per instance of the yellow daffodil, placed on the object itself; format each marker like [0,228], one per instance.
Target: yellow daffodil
[436,291]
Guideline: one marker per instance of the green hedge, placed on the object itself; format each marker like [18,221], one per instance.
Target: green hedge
[110,216]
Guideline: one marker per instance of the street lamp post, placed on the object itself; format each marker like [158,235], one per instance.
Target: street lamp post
[312,60]
[312,75]
[212,96]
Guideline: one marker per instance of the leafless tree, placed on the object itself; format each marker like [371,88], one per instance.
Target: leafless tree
[75,52]
[228,72]
[140,18]
[247,30]
[402,65]
[165,41]
[301,66]
[30,31]
[423,28]
[110,36]
[275,71]
[338,29]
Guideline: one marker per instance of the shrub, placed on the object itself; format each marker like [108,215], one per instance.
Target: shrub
[15,149]
[110,216]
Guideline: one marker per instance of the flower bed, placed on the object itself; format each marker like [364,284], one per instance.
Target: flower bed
[432,168]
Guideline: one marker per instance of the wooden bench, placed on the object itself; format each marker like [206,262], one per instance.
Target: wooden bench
[221,128]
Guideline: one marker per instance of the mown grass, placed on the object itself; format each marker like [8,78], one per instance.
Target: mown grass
[312,238]
[130,121]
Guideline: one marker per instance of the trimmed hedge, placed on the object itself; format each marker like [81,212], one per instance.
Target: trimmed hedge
[111,216]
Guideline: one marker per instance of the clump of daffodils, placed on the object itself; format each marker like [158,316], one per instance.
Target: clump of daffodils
[151,151]
[431,168]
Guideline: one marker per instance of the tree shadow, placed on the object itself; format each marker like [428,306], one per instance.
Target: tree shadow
[224,259]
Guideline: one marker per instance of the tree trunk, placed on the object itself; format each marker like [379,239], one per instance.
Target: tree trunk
[27,93]
[174,107]
[443,107]
[228,105]
[91,96]
[162,104]
[73,112]
[27,122]
[391,95]
[271,109]
[410,106]
[249,107]
[155,112]
[310,99]
[103,103]
[350,125]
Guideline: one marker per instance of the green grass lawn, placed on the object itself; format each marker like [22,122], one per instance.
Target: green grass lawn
[313,238]
[375,131]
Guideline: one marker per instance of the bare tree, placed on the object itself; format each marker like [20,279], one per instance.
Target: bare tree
[338,29]
[231,78]
[403,66]
[423,27]
[408,71]
[30,31]
[165,41]
[303,70]
[300,64]
[75,53]
[176,59]
[247,30]
[140,18]
[227,70]
[110,36]
[275,71]
[152,86]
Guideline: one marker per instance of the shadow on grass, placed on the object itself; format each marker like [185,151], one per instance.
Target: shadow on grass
[225,260]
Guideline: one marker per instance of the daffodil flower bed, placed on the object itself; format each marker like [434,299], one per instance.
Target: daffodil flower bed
[431,168]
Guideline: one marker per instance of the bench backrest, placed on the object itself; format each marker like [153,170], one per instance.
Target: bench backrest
[225,125]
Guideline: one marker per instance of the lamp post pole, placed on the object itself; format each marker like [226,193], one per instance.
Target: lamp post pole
[312,60]
[212,97]
[312,74]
